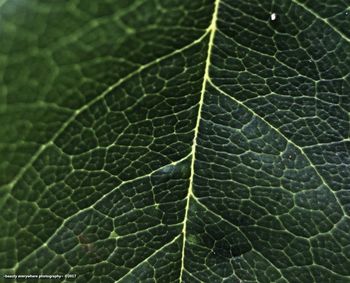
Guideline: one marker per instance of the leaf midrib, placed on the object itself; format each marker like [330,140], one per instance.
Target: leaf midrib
[211,29]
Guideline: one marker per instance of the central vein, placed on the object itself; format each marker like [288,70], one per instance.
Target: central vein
[211,30]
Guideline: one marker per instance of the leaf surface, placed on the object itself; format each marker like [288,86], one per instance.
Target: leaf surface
[175,141]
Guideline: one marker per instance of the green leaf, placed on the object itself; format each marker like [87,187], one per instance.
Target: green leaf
[175,140]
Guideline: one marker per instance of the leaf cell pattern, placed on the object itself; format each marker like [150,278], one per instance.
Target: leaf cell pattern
[175,141]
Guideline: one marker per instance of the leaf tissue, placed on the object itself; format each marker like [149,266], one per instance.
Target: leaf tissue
[175,141]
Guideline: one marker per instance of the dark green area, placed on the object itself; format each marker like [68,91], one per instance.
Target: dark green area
[170,141]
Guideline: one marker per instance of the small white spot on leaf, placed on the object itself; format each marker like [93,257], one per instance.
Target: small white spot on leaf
[273,16]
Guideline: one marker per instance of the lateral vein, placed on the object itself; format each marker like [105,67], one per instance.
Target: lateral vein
[112,87]
[326,21]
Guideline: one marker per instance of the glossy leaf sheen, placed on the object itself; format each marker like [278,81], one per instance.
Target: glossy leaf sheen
[175,141]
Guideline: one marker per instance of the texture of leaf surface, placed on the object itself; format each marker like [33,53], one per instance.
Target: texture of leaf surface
[175,140]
